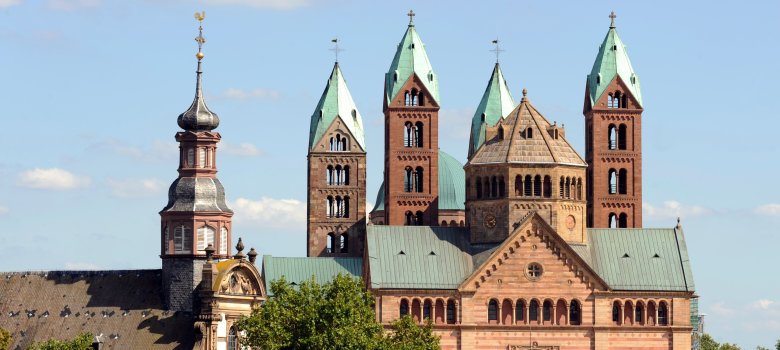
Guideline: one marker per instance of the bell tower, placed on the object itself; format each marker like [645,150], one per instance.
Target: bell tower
[196,214]
[336,207]
[411,109]
[613,140]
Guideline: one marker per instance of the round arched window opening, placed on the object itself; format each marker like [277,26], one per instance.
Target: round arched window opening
[534,271]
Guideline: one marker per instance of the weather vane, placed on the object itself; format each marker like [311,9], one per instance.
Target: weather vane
[612,17]
[497,50]
[336,49]
[200,16]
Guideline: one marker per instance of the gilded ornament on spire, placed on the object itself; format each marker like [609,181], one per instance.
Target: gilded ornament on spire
[198,117]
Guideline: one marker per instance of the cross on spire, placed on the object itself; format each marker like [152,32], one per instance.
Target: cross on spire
[612,17]
[497,50]
[411,15]
[336,48]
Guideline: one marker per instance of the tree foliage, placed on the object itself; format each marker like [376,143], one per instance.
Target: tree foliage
[5,339]
[708,343]
[82,342]
[777,345]
[335,315]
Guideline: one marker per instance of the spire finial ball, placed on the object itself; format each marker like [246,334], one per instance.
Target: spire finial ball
[525,92]
[199,56]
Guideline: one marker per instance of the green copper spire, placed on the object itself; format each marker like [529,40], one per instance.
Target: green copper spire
[410,58]
[612,61]
[496,103]
[336,101]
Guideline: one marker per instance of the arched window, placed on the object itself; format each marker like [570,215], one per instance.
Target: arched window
[561,313]
[567,188]
[486,188]
[427,309]
[408,134]
[330,207]
[232,339]
[345,175]
[329,175]
[612,220]
[418,218]
[450,311]
[182,239]
[345,207]
[506,312]
[453,223]
[330,244]
[337,175]
[343,146]
[408,179]
[444,223]
[612,136]
[407,99]
[404,310]
[663,314]
[575,313]
[493,187]
[339,206]
[518,185]
[561,187]
[223,241]
[579,188]
[622,137]
[520,311]
[640,313]
[529,133]
[191,157]
[547,186]
[624,101]
[501,187]
[651,313]
[547,311]
[201,158]
[500,133]
[612,181]
[418,179]
[623,181]
[409,218]
[537,186]
[616,312]
[332,145]
[623,220]
[166,239]
[533,311]
[616,100]
[610,101]
[628,313]
[414,97]
[416,310]
[205,237]
[478,187]
[418,134]
[482,118]
[420,101]
[344,243]
[493,311]
[528,184]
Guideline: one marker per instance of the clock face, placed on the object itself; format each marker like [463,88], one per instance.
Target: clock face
[489,221]
[570,222]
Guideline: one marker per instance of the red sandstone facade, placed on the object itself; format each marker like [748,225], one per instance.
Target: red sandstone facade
[416,205]
[613,151]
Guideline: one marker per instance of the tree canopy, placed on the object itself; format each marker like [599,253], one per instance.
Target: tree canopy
[81,342]
[5,339]
[337,314]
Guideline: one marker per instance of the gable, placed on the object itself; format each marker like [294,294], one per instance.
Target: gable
[617,84]
[534,241]
[414,82]
[337,127]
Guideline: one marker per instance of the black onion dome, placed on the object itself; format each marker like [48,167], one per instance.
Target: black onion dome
[198,117]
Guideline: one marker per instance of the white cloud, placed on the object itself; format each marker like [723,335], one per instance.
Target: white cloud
[720,309]
[9,3]
[79,265]
[134,188]
[267,4]
[241,149]
[72,5]
[763,304]
[242,95]
[672,210]
[271,213]
[52,179]
[157,151]
[455,123]
[771,209]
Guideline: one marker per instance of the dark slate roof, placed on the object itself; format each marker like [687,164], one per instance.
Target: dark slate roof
[124,305]
[299,269]
[639,259]
[411,257]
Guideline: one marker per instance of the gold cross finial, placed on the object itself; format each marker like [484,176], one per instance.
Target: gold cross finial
[497,50]
[612,17]
[411,17]
[200,16]
[336,49]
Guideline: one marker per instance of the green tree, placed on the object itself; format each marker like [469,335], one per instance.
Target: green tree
[777,345]
[727,346]
[707,343]
[334,315]
[82,342]
[5,339]
[761,348]
[407,335]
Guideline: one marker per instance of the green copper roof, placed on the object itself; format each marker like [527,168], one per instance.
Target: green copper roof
[297,270]
[639,259]
[336,101]
[452,185]
[410,58]
[496,103]
[612,61]
[424,257]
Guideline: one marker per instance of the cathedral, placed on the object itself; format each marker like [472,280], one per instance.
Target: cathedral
[529,245]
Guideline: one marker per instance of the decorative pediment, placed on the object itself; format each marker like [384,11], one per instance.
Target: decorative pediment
[338,127]
[238,277]
[414,82]
[617,84]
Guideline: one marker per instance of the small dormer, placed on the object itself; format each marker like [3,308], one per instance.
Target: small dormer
[556,132]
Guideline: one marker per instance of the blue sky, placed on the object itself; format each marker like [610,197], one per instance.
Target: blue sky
[91,90]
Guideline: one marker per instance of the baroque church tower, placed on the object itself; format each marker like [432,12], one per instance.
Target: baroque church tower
[411,108]
[196,214]
[613,137]
[337,174]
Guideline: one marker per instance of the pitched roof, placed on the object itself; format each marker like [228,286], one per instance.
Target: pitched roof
[299,269]
[515,147]
[612,61]
[640,259]
[420,257]
[452,185]
[37,306]
[336,101]
[410,58]
[496,103]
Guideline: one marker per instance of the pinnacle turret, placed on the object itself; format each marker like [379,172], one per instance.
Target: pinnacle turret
[611,62]
[496,103]
[410,58]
